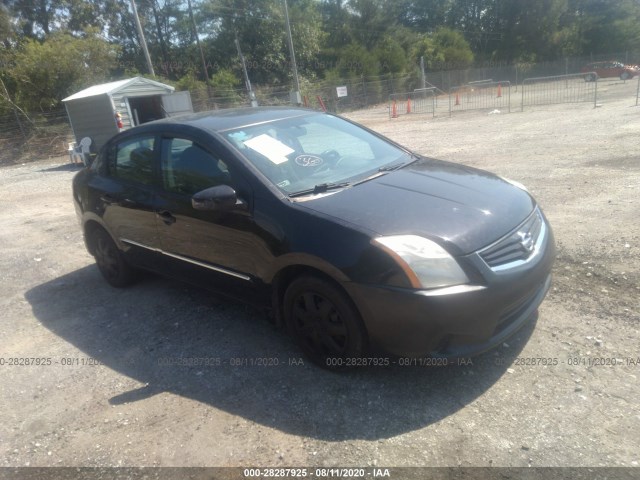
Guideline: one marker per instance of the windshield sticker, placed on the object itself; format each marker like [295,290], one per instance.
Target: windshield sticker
[309,160]
[284,183]
[269,147]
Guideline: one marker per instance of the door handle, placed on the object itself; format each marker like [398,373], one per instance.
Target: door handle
[166,217]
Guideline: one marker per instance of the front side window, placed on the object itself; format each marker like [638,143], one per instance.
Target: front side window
[188,168]
[299,153]
[132,160]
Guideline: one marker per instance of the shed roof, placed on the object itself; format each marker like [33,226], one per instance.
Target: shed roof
[114,87]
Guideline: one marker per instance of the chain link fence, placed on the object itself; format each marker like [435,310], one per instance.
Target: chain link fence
[422,100]
[574,88]
[481,95]
[25,135]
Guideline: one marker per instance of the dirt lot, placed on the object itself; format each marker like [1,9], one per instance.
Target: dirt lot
[103,395]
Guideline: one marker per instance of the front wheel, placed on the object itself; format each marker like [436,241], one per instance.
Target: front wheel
[324,323]
[592,77]
[112,265]
[625,76]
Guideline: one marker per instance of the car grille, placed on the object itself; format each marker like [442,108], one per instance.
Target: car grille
[518,246]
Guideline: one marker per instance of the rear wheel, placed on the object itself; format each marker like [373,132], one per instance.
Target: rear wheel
[625,76]
[592,77]
[324,323]
[111,263]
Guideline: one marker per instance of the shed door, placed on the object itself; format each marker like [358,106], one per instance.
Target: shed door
[177,103]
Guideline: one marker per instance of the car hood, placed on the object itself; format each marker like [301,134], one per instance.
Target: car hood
[462,208]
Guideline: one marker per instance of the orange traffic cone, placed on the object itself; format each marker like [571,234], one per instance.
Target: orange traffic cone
[457,99]
[408,106]
[499,90]
[394,110]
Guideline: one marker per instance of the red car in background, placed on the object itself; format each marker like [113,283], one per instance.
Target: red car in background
[609,69]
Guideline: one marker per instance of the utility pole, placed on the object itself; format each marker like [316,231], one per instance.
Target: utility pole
[424,79]
[195,33]
[247,82]
[143,42]
[295,95]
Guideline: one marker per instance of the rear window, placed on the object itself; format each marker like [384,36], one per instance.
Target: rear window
[132,160]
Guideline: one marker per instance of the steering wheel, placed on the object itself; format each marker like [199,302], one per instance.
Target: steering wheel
[332,157]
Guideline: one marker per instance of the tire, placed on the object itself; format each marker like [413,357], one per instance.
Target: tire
[324,322]
[592,77]
[625,76]
[110,261]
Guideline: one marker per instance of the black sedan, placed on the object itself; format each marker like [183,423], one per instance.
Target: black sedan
[354,243]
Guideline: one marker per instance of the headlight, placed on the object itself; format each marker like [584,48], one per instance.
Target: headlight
[426,263]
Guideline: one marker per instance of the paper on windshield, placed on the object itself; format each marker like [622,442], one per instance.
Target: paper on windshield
[271,148]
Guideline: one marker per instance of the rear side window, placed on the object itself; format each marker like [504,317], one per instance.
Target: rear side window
[132,160]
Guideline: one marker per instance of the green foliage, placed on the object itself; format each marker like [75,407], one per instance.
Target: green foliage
[391,56]
[197,89]
[225,85]
[445,49]
[51,48]
[354,60]
[609,26]
[451,46]
[45,72]
[225,79]
[190,82]
[259,27]
[6,31]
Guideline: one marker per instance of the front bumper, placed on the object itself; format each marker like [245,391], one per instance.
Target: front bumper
[456,322]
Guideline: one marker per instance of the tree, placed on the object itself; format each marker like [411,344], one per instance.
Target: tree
[390,55]
[444,49]
[44,73]
[608,26]
[36,19]
[6,31]
[332,38]
[226,85]
[355,61]
[368,22]
[260,29]
[423,16]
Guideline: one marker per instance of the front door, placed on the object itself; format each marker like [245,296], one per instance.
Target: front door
[216,249]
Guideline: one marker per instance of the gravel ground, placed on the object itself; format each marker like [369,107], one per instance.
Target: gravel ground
[564,392]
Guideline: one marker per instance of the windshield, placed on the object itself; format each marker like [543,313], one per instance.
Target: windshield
[301,153]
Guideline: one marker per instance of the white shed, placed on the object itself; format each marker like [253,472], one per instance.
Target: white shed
[92,111]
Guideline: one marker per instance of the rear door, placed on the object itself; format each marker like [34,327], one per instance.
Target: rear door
[126,193]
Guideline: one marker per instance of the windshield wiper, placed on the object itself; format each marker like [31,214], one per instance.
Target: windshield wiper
[320,188]
[398,165]
[393,166]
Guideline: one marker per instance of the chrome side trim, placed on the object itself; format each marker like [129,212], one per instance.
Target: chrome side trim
[141,245]
[188,260]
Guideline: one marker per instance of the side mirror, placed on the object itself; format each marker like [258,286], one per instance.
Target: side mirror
[219,198]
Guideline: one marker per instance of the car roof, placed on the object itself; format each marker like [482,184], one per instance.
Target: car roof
[229,119]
